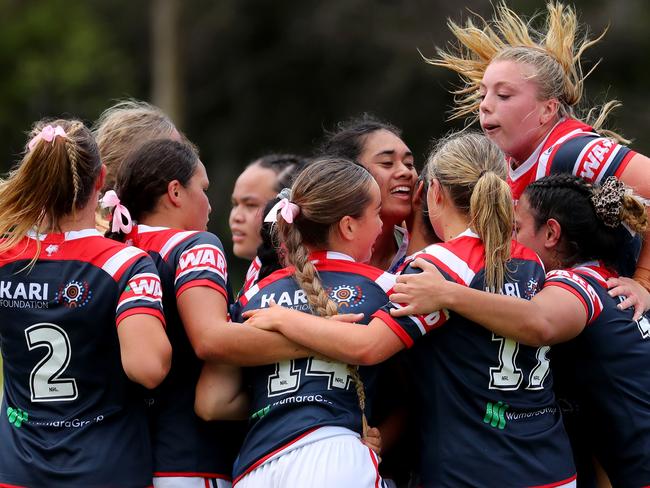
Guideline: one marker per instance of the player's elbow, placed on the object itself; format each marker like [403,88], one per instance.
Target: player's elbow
[150,367]
[369,354]
[540,331]
[204,410]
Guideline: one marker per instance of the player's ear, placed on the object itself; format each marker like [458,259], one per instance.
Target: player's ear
[553,233]
[174,188]
[346,228]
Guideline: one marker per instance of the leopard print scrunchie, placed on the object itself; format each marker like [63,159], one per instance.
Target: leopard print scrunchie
[608,201]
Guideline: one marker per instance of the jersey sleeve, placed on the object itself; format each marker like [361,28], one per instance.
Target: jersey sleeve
[201,261]
[140,291]
[412,327]
[590,157]
[576,285]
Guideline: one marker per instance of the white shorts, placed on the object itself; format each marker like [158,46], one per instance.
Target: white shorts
[190,482]
[341,461]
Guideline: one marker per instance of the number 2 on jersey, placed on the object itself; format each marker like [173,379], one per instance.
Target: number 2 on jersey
[45,382]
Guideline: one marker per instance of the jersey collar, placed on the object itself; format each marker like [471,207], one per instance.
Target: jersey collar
[323,256]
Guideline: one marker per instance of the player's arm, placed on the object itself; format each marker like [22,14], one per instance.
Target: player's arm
[553,315]
[144,348]
[203,311]
[342,341]
[637,176]
[219,393]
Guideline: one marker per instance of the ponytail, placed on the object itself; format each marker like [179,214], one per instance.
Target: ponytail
[492,216]
[473,171]
[54,179]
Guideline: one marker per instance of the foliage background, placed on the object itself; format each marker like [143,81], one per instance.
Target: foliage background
[255,76]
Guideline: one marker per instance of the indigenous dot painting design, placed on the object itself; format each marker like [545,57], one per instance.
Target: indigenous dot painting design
[346,296]
[74,294]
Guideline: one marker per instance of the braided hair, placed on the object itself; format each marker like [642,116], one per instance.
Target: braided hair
[591,225]
[326,191]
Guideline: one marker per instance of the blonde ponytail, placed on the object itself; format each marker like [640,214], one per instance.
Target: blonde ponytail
[473,172]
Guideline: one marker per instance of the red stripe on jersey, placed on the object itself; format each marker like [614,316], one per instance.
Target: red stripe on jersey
[140,311]
[271,454]
[557,484]
[180,474]
[623,165]
[387,319]
[573,291]
[5,485]
[203,282]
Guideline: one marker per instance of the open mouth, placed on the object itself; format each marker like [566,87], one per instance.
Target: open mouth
[401,191]
[490,128]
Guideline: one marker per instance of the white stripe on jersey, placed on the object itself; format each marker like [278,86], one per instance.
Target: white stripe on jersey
[173,241]
[211,269]
[113,265]
[453,262]
[386,281]
[543,162]
[251,292]
[139,297]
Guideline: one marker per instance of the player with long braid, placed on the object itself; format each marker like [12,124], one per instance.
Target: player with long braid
[307,414]
[488,414]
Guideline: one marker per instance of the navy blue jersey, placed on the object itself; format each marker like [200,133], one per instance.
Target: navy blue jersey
[70,416]
[293,398]
[490,417]
[604,375]
[183,444]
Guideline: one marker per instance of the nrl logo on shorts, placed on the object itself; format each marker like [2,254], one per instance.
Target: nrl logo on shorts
[346,296]
[74,294]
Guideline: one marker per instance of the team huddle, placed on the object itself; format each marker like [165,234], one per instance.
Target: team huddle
[480,324]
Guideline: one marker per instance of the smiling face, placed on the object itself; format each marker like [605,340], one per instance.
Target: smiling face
[390,162]
[253,189]
[510,113]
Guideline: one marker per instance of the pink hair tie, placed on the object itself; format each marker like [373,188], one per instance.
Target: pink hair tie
[287,209]
[110,200]
[47,134]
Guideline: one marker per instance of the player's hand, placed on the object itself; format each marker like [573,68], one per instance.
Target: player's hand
[270,318]
[372,439]
[635,295]
[420,293]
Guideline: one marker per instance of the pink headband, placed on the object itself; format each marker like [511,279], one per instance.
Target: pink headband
[287,209]
[47,133]
[110,199]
